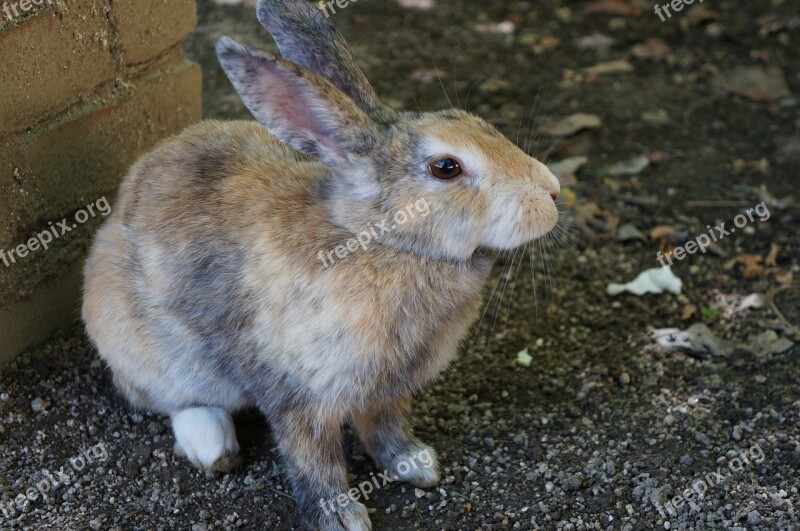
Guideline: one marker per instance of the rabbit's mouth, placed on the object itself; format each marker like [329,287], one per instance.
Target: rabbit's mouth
[521,218]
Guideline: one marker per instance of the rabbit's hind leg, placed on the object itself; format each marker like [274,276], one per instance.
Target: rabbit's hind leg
[207,437]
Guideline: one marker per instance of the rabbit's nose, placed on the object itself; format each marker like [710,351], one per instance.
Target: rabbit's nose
[554,195]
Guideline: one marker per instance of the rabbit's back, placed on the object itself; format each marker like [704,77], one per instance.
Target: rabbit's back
[164,297]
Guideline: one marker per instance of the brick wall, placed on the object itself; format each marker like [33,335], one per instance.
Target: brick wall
[86,86]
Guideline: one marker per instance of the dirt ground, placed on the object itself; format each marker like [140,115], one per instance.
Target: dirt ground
[695,122]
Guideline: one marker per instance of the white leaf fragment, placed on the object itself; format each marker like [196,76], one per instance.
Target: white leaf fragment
[657,280]
[524,359]
[697,339]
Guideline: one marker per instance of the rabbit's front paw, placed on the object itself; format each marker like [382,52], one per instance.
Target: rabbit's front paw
[419,465]
[333,517]
[207,437]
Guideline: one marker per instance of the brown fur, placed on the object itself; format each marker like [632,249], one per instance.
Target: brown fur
[206,291]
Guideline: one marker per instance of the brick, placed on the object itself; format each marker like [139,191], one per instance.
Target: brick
[84,159]
[28,323]
[148,27]
[51,61]
[90,154]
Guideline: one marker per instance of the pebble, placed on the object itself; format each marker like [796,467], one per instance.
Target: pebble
[40,404]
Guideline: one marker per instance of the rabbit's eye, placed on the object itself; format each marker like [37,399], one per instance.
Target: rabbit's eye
[446,169]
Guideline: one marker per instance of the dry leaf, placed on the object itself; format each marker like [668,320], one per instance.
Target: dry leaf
[652,49]
[662,232]
[755,83]
[772,257]
[573,124]
[620,66]
[609,7]
[594,221]
[568,166]
[630,167]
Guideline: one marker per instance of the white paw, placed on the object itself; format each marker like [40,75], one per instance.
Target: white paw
[207,437]
[353,517]
[419,466]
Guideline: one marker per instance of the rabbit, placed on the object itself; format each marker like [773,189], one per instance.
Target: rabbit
[219,281]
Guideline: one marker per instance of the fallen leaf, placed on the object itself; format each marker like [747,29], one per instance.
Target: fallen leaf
[689,313]
[620,66]
[656,117]
[499,28]
[595,222]
[568,196]
[772,257]
[652,49]
[761,166]
[422,5]
[541,43]
[608,7]
[768,343]
[567,166]
[754,83]
[629,232]
[572,124]
[595,41]
[657,280]
[755,300]
[772,201]
[785,277]
[697,339]
[632,166]
[751,262]
[612,184]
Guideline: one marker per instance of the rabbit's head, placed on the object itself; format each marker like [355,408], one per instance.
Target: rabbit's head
[462,185]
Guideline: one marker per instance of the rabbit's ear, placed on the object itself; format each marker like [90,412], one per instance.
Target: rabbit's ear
[300,108]
[305,37]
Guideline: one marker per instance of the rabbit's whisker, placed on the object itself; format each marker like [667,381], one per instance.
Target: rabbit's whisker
[446,95]
[513,288]
[533,284]
[498,306]
[466,103]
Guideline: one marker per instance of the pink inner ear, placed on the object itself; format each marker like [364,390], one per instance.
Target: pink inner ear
[288,101]
[292,102]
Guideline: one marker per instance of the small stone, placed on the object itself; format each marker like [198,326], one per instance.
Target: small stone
[737,433]
[754,518]
[624,378]
[40,404]
[702,438]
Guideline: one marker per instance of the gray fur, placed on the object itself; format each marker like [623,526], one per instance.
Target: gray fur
[305,37]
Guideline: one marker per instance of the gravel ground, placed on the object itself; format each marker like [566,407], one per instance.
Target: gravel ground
[605,427]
